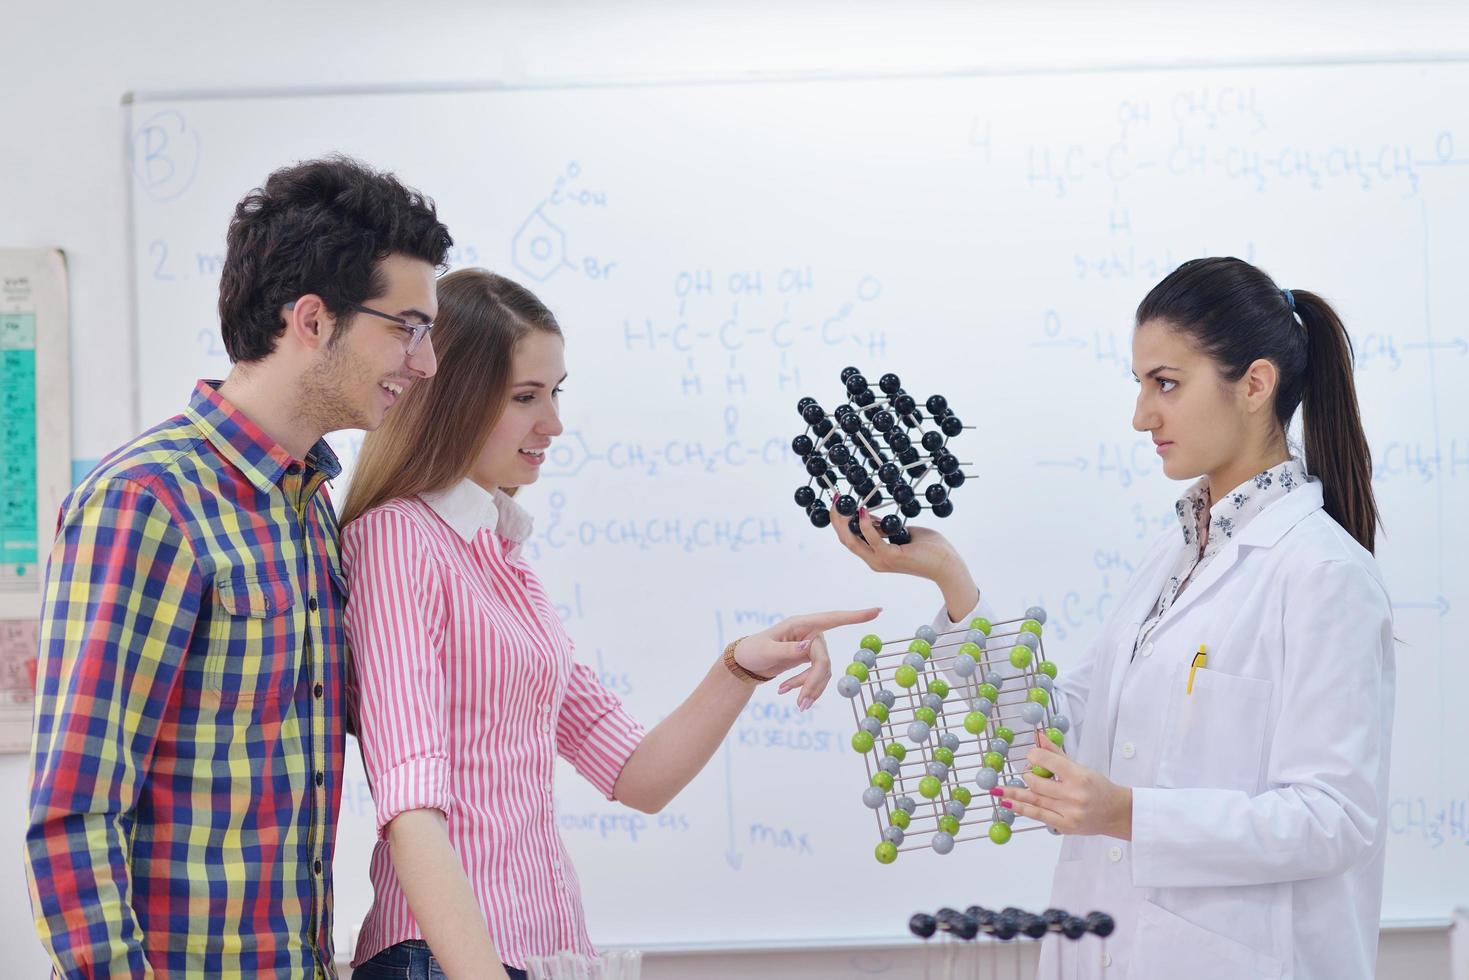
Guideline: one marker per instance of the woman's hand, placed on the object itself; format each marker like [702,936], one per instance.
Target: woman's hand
[795,641]
[1077,801]
[928,555]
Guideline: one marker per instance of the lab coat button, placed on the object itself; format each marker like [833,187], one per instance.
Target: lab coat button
[1106,960]
[1128,750]
[1114,854]
[1147,650]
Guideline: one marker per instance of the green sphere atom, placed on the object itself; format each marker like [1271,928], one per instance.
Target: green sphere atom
[1038,695]
[897,750]
[987,691]
[939,686]
[928,787]
[1031,626]
[883,780]
[992,760]
[877,710]
[1041,771]
[974,722]
[1020,656]
[862,742]
[1047,668]
[981,624]
[1006,734]
[927,715]
[944,754]
[921,648]
[999,832]
[905,676]
[948,825]
[972,651]
[858,670]
[900,819]
[961,794]
[872,642]
[887,851]
[1056,736]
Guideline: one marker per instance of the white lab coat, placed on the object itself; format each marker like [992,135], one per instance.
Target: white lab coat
[1259,801]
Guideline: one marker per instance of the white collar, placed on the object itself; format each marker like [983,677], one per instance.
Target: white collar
[466,507]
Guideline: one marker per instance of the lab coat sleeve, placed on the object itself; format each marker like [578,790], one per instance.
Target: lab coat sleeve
[1325,761]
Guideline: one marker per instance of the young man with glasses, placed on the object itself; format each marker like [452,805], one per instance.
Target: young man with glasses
[189,714]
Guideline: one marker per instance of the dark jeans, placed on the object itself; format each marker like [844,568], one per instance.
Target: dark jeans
[410,960]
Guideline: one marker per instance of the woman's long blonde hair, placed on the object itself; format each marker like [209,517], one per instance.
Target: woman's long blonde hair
[431,437]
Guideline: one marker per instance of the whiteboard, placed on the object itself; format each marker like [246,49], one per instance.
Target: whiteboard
[716,251]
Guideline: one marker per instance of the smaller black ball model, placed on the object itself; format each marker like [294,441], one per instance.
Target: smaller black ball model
[864,456]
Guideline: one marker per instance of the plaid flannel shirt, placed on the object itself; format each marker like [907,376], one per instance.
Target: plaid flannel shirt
[189,717]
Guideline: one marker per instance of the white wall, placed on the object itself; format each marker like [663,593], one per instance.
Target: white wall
[62,166]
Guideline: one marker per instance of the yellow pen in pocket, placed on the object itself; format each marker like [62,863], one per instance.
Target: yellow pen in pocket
[1201,659]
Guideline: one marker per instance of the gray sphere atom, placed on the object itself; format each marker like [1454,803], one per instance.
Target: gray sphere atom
[1016,782]
[872,797]
[994,677]
[937,770]
[977,638]
[866,657]
[848,686]
[906,804]
[999,745]
[1028,639]
[1061,723]
[894,836]
[890,765]
[955,809]
[983,705]
[1036,613]
[918,732]
[1005,817]
[986,779]
[949,741]
[1044,682]
[916,661]
[872,727]
[927,634]
[963,667]
[932,702]
[885,698]
[942,842]
[1033,713]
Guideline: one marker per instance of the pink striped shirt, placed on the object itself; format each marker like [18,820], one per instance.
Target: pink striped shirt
[465,693]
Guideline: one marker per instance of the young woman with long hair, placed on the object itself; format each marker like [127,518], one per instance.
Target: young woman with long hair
[465,688]
[1223,784]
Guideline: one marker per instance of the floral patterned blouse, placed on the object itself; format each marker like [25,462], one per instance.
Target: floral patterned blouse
[1222,521]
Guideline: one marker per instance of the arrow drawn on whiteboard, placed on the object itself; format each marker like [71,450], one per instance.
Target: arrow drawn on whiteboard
[1079,463]
[1458,343]
[1440,604]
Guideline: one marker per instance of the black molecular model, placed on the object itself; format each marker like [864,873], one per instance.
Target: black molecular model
[877,437]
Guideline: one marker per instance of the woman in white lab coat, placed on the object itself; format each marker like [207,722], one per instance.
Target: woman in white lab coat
[1234,828]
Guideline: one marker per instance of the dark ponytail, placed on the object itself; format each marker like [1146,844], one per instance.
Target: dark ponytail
[1236,315]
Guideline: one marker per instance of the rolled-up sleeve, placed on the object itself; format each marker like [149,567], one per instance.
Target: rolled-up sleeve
[395,631]
[594,732]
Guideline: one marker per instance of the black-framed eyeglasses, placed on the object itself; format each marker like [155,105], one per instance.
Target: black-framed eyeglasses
[416,331]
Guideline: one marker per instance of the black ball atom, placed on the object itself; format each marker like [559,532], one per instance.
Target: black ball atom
[802,446]
[922,924]
[821,428]
[947,463]
[854,524]
[839,455]
[889,384]
[847,373]
[812,413]
[846,505]
[902,536]
[850,423]
[904,405]
[1054,917]
[944,509]
[1006,926]
[889,473]
[898,440]
[936,405]
[954,479]
[892,524]
[951,426]
[936,494]
[820,516]
[1100,924]
[805,496]
[910,508]
[883,421]
[865,398]
[933,441]
[815,465]
[902,493]
[1032,925]
[1073,928]
[907,458]
[965,927]
[801,405]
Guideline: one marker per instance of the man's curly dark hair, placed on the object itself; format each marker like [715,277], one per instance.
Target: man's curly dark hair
[320,227]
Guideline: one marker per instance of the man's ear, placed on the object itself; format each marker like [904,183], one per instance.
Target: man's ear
[308,322]
[1260,381]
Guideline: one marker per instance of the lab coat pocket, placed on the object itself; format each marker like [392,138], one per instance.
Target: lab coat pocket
[1171,946]
[1215,736]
